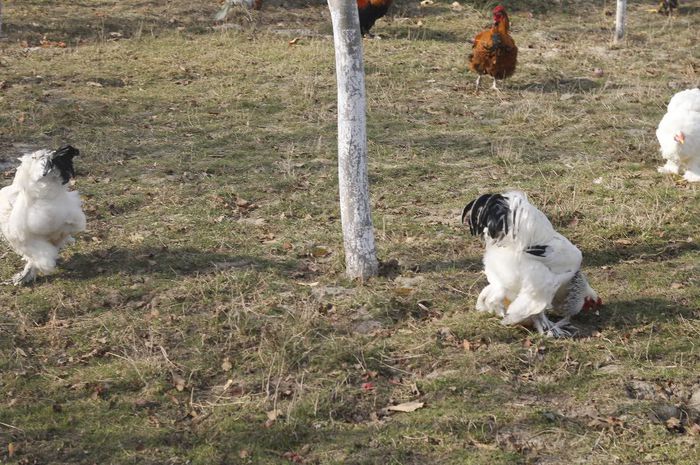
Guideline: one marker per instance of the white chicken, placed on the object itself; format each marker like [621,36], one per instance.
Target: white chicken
[38,213]
[531,268]
[679,135]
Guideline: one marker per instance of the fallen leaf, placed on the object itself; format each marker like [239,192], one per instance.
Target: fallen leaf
[226,365]
[50,43]
[11,449]
[320,251]
[367,387]
[294,41]
[406,406]
[293,457]
[676,286]
[606,422]
[622,242]
[481,445]
[674,424]
[403,291]
[136,238]
[466,345]
[272,415]
[694,430]
[243,453]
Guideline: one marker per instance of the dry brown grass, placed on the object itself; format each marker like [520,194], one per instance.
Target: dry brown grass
[204,317]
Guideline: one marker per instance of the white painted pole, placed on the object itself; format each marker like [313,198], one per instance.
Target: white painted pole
[358,234]
[620,20]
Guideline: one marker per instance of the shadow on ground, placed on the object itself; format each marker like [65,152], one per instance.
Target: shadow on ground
[638,253]
[625,315]
[165,262]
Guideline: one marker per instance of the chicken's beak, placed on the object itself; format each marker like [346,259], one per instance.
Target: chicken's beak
[680,138]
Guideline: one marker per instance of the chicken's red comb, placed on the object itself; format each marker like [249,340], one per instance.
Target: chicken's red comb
[499,9]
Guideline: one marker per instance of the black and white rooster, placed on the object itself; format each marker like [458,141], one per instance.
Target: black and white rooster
[531,268]
[38,213]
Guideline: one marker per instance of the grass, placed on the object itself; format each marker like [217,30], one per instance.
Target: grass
[204,316]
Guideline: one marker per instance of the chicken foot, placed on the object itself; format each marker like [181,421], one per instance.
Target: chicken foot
[547,327]
[24,277]
[493,86]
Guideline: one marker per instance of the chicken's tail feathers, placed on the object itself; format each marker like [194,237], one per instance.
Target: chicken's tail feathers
[62,160]
[490,212]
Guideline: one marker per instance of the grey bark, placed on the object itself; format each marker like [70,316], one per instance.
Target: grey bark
[358,235]
[620,20]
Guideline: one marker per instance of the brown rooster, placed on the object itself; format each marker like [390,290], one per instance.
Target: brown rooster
[494,51]
[370,11]
[666,7]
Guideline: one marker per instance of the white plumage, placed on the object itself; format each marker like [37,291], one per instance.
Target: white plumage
[531,268]
[38,213]
[679,135]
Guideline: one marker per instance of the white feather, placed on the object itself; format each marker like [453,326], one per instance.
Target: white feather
[38,214]
[683,116]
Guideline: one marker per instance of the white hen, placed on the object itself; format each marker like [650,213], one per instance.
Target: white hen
[38,213]
[679,135]
[530,267]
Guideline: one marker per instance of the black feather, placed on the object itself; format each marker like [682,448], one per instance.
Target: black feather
[490,212]
[62,161]
[538,250]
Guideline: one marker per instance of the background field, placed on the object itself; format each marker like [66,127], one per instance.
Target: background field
[204,317]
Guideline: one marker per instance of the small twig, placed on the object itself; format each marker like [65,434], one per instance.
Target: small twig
[11,426]
[165,356]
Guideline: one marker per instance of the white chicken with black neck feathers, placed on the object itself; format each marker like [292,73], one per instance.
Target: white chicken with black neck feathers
[679,135]
[531,268]
[38,214]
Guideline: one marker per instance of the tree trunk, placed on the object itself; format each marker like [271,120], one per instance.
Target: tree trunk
[620,20]
[358,235]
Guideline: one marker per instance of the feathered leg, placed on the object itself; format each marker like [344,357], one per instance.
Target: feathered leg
[670,167]
[494,85]
[491,300]
[42,259]
[692,173]
[564,326]
[478,80]
[24,277]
